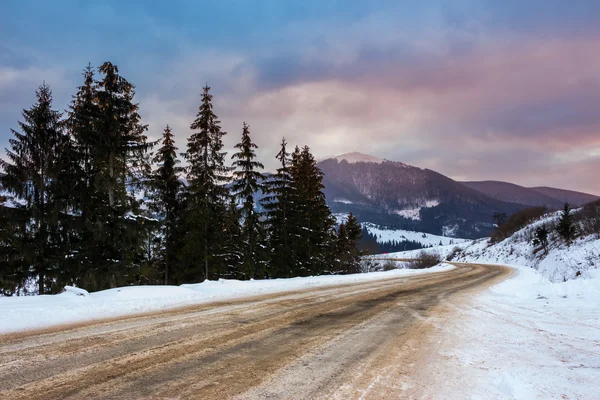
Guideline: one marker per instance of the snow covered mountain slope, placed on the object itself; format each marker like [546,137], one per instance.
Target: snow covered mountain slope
[561,263]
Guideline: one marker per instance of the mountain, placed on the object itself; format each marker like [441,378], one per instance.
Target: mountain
[401,196]
[567,196]
[512,193]
[534,196]
[356,157]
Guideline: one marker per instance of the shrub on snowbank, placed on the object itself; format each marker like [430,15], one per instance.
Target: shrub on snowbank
[424,260]
[516,222]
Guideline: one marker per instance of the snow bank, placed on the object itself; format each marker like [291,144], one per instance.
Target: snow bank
[525,338]
[77,305]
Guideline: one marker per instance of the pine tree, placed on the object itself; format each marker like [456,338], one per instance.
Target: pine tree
[207,196]
[166,187]
[13,232]
[565,227]
[112,149]
[278,205]
[233,248]
[247,181]
[312,223]
[83,125]
[354,230]
[348,238]
[31,175]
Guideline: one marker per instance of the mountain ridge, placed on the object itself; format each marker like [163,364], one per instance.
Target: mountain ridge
[403,196]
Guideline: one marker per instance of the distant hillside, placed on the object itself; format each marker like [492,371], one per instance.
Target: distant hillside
[574,198]
[536,196]
[512,193]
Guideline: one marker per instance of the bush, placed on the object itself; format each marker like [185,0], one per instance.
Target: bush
[456,251]
[389,266]
[588,219]
[517,221]
[425,260]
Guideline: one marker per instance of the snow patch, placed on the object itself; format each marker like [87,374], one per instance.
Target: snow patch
[343,201]
[415,213]
[76,291]
[35,312]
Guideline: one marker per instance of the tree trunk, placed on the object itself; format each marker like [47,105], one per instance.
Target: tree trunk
[167,249]
[205,253]
[41,282]
[111,174]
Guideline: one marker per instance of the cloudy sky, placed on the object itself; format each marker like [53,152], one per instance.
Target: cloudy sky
[503,90]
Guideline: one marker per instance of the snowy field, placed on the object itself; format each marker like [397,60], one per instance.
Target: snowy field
[76,305]
[526,338]
[426,239]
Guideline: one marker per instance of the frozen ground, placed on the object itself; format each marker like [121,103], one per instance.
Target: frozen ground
[76,305]
[526,338]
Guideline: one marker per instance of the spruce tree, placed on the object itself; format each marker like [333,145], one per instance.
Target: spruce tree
[566,227]
[278,204]
[348,238]
[232,245]
[247,182]
[112,147]
[313,222]
[354,230]
[13,233]
[31,175]
[165,189]
[207,196]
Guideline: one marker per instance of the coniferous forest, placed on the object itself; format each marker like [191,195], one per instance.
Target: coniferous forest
[86,199]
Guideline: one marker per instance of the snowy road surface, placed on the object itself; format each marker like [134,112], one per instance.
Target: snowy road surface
[351,341]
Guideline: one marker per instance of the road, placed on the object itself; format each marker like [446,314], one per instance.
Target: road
[342,342]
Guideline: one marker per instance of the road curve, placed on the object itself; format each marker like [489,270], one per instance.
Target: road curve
[318,343]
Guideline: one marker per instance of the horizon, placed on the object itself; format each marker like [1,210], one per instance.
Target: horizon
[473,90]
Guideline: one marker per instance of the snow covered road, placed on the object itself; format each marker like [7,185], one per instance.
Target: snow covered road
[348,341]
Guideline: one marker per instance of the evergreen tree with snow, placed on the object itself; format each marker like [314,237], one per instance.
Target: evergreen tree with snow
[112,148]
[233,249]
[565,226]
[31,176]
[312,221]
[13,235]
[206,195]
[248,181]
[348,238]
[165,187]
[278,205]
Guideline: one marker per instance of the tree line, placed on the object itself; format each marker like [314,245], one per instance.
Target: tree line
[87,200]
